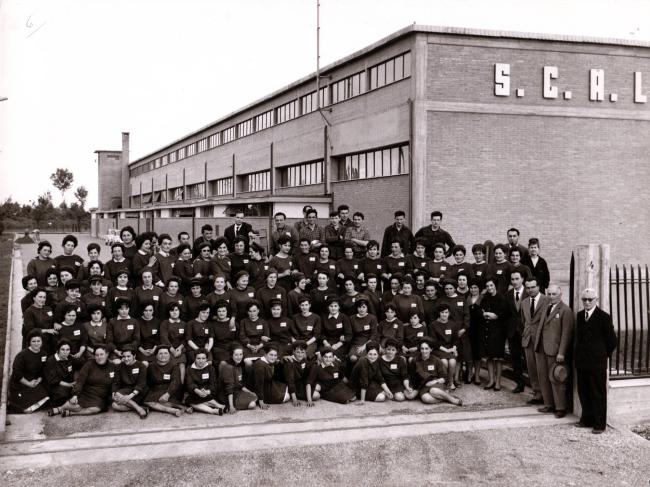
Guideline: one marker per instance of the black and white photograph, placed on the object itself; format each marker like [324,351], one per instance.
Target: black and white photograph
[324,242]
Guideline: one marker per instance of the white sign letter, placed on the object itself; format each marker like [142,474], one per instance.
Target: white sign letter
[596,84]
[550,91]
[639,97]
[502,79]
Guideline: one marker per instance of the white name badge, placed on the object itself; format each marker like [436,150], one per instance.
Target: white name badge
[181,331]
[393,366]
[205,376]
[395,326]
[302,366]
[77,264]
[400,264]
[479,273]
[43,358]
[266,268]
[206,331]
[259,327]
[419,334]
[78,309]
[69,368]
[135,371]
[331,267]
[250,295]
[499,272]
[288,234]
[154,332]
[378,266]
[76,333]
[180,301]
[278,296]
[173,264]
[129,327]
[431,367]
[459,303]
[366,327]
[246,261]
[156,298]
[447,332]
[283,324]
[310,328]
[239,377]
[354,300]
[443,267]
[111,374]
[422,264]
[167,376]
[312,259]
[335,375]
[414,305]
[355,266]
[103,303]
[49,313]
[461,270]
[339,325]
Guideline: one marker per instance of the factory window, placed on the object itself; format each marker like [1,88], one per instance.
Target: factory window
[176,194]
[190,150]
[165,160]
[264,120]
[349,87]
[207,211]
[228,135]
[245,128]
[301,174]
[390,71]
[181,153]
[196,191]
[172,157]
[287,112]
[203,145]
[157,163]
[258,181]
[391,161]
[221,187]
[183,212]
[214,140]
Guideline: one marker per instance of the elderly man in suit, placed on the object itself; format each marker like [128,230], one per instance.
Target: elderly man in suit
[239,229]
[552,342]
[514,298]
[595,341]
[532,311]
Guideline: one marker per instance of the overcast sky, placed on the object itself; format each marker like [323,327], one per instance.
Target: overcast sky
[79,72]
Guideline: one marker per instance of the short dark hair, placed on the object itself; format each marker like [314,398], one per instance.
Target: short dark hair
[533,241]
[310,211]
[459,248]
[181,234]
[164,236]
[503,247]
[334,213]
[400,213]
[141,239]
[92,246]
[128,229]
[279,213]
[70,238]
[343,207]
[284,239]
[513,229]
[44,243]
[358,213]
[515,249]
[305,209]
[478,248]
[372,243]
[205,227]
[120,245]
[436,213]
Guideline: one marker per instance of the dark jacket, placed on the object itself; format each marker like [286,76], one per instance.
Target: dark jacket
[595,340]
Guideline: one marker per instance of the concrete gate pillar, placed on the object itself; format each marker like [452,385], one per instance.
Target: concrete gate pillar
[591,270]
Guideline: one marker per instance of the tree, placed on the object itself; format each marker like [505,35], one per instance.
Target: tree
[82,195]
[62,180]
[42,208]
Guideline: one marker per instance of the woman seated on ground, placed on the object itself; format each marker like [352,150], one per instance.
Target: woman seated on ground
[74,332]
[296,372]
[165,386]
[429,375]
[327,380]
[232,391]
[91,393]
[268,389]
[27,392]
[394,370]
[59,376]
[366,378]
[201,386]
[131,386]
[446,341]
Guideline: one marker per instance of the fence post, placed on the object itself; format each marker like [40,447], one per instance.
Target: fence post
[591,270]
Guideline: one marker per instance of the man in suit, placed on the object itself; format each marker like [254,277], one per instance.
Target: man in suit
[514,298]
[594,342]
[532,311]
[513,243]
[206,236]
[552,342]
[239,229]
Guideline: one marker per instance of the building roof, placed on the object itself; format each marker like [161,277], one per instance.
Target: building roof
[411,29]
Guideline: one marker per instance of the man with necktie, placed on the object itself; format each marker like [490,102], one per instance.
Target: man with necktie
[239,229]
[532,311]
[514,298]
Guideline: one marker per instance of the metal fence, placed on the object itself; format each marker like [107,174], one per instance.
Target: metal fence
[629,295]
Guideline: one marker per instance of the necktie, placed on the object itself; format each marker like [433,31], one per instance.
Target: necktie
[586,315]
[236,229]
[516,296]
[532,307]
[550,308]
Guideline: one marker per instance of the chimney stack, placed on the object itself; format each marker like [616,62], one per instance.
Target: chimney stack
[126,181]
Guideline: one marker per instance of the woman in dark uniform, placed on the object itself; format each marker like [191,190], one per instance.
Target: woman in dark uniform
[326,381]
[280,328]
[40,264]
[268,389]
[272,290]
[91,393]
[95,329]
[225,333]
[120,292]
[406,302]
[336,331]
[127,235]
[366,378]
[27,392]
[394,370]
[445,342]
[428,375]
[476,323]
[296,372]
[364,329]
[149,333]
[390,327]
[200,336]
[122,331]
[183,268]
[40,317]
[221,263]
[173,334]
[131,387]
[30,284]
[69,258]
[201,386]
[320,294]
[240,295]
[232,391]
[414,332]
[299,290]
[326,265]
[74,332]
[348,300]
[253,333]
[282,262]
[394,285]
[59,377]
[172,294]
[165,385]
[117,263]
[306,326]
[372,263]
[495,315]
[347,266]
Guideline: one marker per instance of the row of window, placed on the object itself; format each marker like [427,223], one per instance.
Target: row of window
[391,161]
[385,73]
[302,174]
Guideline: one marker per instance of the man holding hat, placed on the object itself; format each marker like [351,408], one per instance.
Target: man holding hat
[594,343]
[552,341]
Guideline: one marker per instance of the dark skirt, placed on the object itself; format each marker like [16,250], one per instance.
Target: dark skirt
[219,355]
[276,392]
[465,349]
[59,395]
[340,394]
[242,399]
[95,397]
[23,397]
[443,355]
[395,386]
[425,389]
[494,340]
[154,394]
[193,398]
[475,335]
[372,392]
[138,399]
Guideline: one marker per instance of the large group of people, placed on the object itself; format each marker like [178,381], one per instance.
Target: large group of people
[216,325]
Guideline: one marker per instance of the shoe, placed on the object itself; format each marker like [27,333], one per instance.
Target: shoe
[65,414]
[560,413]
[518,389]
[596,431]
[452,387]
[488,387]
[580,424]
[460,402]
[497,388]
[477,382]
[51,412]
[546,409]
[535,401]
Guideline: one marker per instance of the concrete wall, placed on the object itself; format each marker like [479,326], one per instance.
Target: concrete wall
[109,179]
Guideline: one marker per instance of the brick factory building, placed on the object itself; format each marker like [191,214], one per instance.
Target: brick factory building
[546,133]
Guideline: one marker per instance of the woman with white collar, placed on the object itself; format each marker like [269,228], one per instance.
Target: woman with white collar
[59,376]
[27,392]
[201,386]
[268,390]
[327,380]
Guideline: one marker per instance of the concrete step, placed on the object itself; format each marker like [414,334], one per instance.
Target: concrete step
[197,440]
